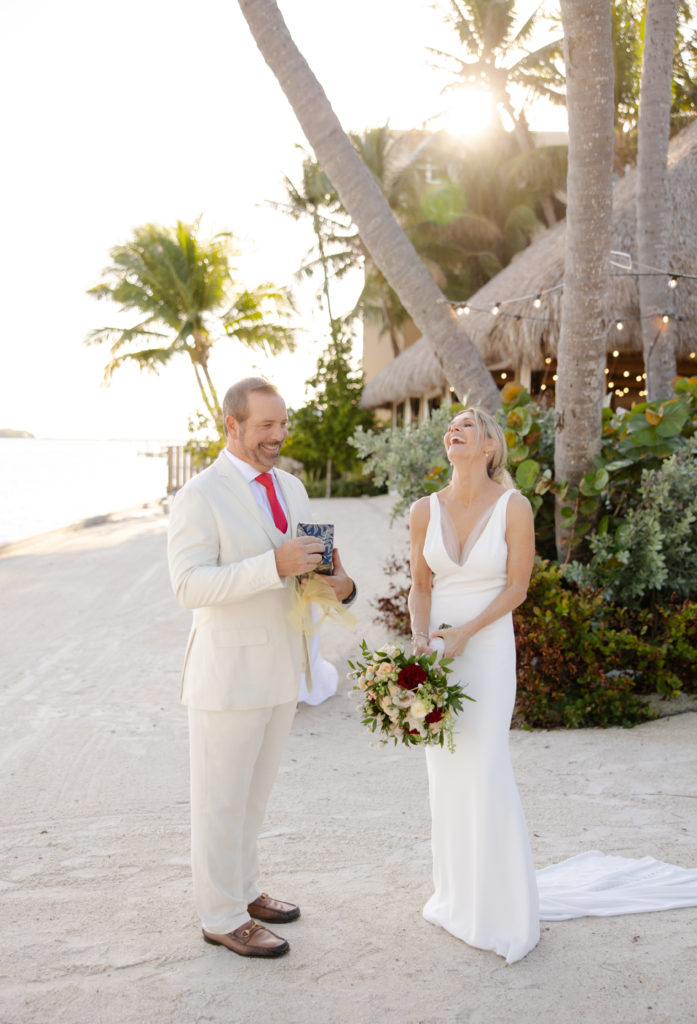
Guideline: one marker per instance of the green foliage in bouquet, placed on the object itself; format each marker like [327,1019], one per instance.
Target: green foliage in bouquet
[407,698]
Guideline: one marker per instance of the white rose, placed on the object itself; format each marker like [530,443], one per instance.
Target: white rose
[418,709]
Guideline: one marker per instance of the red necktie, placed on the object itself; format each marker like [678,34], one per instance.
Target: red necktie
[266,480]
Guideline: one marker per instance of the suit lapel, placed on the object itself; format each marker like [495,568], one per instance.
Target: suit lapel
[241,491]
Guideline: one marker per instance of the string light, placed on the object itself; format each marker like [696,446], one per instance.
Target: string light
[503,376]
[615,353]
[548,360]
[496,309]
[619,325]
[538,301]
[673,283]
[665,318]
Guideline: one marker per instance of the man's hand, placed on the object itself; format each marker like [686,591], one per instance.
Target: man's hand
[298,556]
[341,584]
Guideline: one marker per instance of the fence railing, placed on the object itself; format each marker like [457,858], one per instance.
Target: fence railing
[180,467]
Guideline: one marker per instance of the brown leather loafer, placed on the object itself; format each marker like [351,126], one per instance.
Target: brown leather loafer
[250,939]
[273,911]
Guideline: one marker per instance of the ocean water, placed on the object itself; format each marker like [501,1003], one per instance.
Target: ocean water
[48,484]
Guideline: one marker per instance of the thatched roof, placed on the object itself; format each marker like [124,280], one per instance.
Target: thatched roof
[540,267]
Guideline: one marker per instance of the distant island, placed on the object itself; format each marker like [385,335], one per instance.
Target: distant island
[6,432]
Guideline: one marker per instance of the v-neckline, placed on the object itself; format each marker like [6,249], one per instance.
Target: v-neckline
[466,549]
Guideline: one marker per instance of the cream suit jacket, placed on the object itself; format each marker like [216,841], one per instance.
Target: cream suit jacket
[242,652]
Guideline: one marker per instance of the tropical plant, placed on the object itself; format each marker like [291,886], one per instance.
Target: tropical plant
[411,460]
[498,61]
[183,289]
[649,554]
[319,432]
[383,238]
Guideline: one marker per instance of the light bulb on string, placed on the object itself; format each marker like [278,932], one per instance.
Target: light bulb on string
[665,318]
[619,325]
[496,308]
[615,353]
[673,283]
[537,302]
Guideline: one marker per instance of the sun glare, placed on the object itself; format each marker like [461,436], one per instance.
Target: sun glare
[469,112]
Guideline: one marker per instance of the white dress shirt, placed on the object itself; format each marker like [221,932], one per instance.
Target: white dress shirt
[250,473]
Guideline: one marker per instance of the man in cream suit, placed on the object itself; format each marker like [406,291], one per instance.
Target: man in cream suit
[234,559]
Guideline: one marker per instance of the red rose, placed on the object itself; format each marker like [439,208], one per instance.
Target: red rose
[434,716]
[411,676]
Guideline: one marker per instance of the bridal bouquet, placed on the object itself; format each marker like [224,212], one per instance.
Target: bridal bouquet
[407,698]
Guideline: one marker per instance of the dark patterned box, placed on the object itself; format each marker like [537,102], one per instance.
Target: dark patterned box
[325,533]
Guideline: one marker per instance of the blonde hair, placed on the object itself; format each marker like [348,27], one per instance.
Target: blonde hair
[489,428]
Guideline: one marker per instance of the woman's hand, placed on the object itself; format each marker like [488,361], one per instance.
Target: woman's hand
[455,639]
[421,643]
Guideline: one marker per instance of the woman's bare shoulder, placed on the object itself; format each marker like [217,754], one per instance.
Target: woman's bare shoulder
[419,512]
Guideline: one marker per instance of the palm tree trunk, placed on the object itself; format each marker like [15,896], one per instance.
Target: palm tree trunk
[215,414]
[389,247]
[581,354]
[653,205]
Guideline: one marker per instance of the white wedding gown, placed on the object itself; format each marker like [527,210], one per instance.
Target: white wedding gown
[486,889]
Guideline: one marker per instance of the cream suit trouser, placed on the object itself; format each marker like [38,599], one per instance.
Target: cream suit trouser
[234,760]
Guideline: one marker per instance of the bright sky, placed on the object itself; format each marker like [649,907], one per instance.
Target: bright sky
[116,115]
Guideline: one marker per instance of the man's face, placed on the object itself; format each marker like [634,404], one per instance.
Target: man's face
[258,439]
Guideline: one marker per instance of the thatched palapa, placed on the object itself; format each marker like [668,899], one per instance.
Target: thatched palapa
[521,335]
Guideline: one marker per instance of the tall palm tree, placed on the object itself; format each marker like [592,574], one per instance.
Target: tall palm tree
[182,286]
[497,60]
[464,208]
[653,205]
[581,353]
[389,247]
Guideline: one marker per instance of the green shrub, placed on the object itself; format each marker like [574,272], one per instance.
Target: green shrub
[577,667]
[410,460]
[651,552]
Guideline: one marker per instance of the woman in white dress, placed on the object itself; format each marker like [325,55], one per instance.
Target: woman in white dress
[472,552]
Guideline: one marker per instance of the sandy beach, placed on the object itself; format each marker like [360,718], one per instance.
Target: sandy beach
[98,925]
